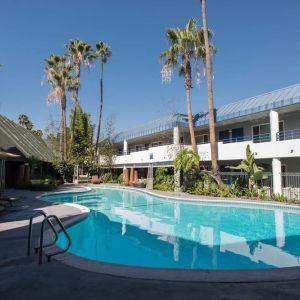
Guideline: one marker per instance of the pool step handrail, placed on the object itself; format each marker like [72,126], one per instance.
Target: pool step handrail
[39,249]
[42,246]
[29,239]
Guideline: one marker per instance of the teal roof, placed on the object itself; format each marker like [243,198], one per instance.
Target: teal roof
[265,102]
[280,98]
[25,141]
[156,126]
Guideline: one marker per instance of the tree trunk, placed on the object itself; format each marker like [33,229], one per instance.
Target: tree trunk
[100,112]
[76,99]
[188,85]
[63,127]
[212,131]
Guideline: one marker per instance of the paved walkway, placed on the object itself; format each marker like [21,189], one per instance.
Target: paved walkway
[22,278]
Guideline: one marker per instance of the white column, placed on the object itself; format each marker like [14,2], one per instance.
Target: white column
[274,124]
[176,137]
[276,172]
[125,147]
[176,142]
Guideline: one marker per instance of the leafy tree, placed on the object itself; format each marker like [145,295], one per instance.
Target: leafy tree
[61,81]
[249,166]
[83,138]
[25,122]
[186,46]
[107,150]
[103,52]
[38,133]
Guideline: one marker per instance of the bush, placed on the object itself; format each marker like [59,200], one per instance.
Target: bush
[107,178]
[278,197]
[163,181]
[65,170]
[120,179]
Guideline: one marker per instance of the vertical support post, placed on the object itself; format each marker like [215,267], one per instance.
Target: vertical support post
[131,176]
[276,172]
[125,147]
[276,163]
[135,176]
[176,142]
[274,125]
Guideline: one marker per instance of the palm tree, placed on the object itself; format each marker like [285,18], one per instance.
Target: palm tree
[60,79]
[103,52]
[211,111]
[186,45]
[25,122]
[79,52]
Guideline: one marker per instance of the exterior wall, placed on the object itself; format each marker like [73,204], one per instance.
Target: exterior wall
[291,120]
[164,154]
[287,150]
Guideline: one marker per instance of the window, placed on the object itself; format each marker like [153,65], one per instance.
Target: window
[261,132]
[224,135]
[138,147]
[237,134]
[202,139]
[156,144]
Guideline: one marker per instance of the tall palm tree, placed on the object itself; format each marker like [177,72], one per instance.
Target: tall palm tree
[103,52]
[211,111]
[79,52]
[60,79]
[185,46]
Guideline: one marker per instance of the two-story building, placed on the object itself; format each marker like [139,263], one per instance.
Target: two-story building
[269,123]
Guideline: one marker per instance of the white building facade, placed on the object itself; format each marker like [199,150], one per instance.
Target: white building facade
[269,123]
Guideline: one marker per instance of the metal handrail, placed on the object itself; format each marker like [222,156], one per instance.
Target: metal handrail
[39,213]
[288,135]
[42,239]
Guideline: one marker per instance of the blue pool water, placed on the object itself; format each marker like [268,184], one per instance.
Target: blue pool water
[138,229]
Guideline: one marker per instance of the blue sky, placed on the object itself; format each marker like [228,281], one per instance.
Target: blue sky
[258,51]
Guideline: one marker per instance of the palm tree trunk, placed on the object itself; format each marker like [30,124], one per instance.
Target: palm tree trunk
[63,128]
[188,85]
[101,109]
[190,119]
[76,99]
[212,131]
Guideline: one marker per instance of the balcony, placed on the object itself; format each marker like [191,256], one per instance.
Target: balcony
[260,138]
[288,135]
[164,153]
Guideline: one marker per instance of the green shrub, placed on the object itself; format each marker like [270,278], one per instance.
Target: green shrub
[107,178]
[278,197]
[163,181]
[65,169]
[120,179]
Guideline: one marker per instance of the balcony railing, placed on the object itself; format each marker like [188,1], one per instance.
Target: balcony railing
[259,138]
[288,135]
[120,153]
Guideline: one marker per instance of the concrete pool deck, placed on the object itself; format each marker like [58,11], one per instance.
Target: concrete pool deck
[22,277]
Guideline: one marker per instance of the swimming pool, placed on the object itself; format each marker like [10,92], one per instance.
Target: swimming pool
[134,228]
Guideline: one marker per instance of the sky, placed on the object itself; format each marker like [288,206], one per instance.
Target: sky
[258,46]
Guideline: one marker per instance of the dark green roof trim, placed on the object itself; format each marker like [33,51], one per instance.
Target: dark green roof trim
[25,141]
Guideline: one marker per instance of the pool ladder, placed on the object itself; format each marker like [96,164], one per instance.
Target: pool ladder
[39,249]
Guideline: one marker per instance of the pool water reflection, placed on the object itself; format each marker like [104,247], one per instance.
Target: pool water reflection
[135,228]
